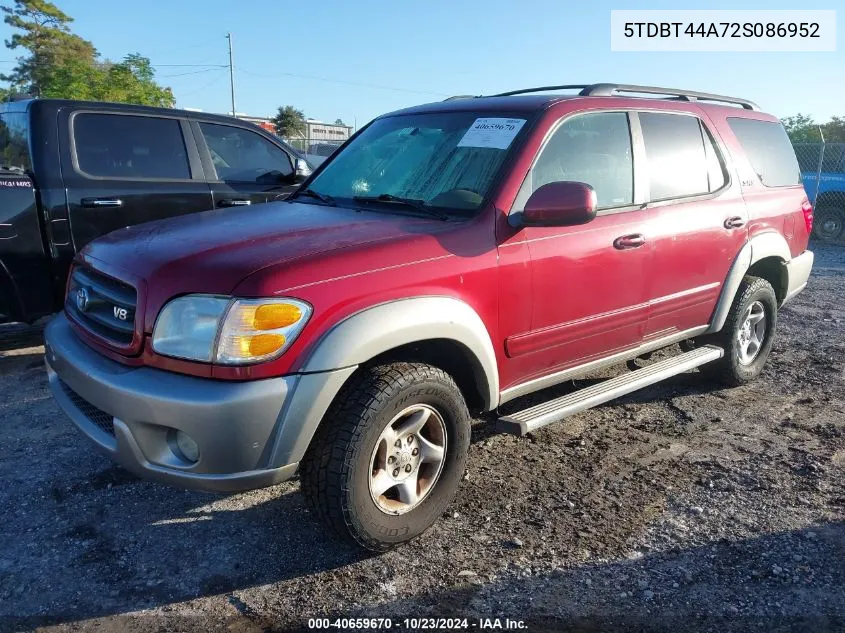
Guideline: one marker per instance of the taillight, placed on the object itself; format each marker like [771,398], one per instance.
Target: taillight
[807,210]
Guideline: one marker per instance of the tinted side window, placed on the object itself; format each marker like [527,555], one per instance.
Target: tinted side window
[590,148]
[769,151]
[126,146]
[677,163]
[14,140]
[243,156]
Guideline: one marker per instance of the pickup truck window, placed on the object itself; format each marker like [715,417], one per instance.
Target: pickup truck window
[14,141]
[769,151]
[128,146]
[243,156]
[446,160]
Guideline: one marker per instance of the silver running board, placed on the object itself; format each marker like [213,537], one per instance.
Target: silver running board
[540,415]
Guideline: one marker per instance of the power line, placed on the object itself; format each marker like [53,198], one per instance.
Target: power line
[345,82]
[201,88]
[193,72]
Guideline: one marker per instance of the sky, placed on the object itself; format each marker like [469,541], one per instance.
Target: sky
[356,59]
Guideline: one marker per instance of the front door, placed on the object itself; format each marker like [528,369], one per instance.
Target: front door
[245,167]
[588,296]
[121,169]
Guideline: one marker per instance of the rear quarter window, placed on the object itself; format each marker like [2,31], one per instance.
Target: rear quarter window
[14,140]
[769,151]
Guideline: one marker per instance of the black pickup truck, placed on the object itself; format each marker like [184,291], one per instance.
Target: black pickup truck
[71,171]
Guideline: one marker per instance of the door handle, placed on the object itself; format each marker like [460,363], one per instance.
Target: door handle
[634,240]
[734,222]
[101,203]
[235,202]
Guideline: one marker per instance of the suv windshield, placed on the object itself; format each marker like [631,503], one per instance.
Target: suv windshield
[445,161]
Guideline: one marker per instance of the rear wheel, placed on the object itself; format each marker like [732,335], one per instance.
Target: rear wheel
[389,455]
[829,223]
[747,336]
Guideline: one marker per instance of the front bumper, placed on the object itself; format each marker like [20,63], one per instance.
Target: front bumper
[249,434]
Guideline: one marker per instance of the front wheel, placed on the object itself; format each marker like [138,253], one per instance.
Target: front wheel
[389,455]
[747,336]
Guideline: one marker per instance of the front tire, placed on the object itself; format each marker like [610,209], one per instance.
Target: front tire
[389,455]
[747,336]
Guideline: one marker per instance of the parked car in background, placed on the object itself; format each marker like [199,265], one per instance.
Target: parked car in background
[74,170]
[824,180]
[319,152]
[450,259]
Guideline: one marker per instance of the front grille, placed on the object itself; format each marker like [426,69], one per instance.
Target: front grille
[98,418]
[103,305]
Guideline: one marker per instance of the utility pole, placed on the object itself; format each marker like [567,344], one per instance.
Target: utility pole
[231,72]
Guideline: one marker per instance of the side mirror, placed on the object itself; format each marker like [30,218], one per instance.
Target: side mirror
[301,170]
[560,204]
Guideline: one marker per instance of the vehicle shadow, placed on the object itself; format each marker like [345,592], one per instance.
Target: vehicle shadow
[777,582]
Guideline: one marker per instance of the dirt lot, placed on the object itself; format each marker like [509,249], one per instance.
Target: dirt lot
[682,507]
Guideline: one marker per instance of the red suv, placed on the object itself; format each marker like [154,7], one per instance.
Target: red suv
[449,258]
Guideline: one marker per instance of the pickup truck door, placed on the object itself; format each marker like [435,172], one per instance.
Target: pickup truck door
[588,286]
[244,167]
[122,168]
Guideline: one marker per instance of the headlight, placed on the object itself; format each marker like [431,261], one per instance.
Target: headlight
[228,331]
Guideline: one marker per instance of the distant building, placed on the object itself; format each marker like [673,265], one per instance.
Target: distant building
[260,121]
[319,131]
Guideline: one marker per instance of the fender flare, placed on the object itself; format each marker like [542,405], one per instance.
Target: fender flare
[376,330]
[361,337]
[770,244]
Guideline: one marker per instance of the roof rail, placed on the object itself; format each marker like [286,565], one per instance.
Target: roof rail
[455,97]
[612,90]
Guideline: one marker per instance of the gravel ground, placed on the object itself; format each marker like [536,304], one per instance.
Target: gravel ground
[681,507]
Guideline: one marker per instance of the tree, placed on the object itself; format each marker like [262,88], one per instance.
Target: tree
[289,122]
[63,65]
[339,122]
[834,130]
[801,128]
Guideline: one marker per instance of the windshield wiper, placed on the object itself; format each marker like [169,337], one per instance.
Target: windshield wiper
[417,205]
[325,199]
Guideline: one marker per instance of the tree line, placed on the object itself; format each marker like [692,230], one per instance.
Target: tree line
[802,128]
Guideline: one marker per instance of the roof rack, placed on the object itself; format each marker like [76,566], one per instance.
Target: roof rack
[611,90]
[455,97]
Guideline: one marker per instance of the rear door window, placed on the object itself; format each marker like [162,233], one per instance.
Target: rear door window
[590,148]
[243,156]
[130,147]
[769,151]
[14,140]
[679,162]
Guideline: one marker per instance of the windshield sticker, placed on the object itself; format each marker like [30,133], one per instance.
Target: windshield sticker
[15,183]
[492,132]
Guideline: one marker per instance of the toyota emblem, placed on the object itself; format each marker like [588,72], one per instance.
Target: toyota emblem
[82,299]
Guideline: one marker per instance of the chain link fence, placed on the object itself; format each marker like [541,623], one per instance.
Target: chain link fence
[316,150]
[823,172]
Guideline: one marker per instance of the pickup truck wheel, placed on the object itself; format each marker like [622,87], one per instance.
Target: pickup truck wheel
[389,454]
[829,223]
[747,336]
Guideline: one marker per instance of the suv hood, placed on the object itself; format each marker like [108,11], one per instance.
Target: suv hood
[211,252]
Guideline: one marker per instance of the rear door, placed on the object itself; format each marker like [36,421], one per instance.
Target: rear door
[123,168]
[698,220]
[245,167]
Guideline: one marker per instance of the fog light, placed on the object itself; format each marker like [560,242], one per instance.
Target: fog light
[187,446]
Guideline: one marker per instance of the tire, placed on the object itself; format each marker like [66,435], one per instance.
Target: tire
[738,366]
[353,443]
[829,223]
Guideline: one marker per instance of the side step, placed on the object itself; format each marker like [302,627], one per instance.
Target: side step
[540,415]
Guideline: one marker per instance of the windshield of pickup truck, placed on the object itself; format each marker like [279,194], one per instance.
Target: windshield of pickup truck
[14,142]
[419,163]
